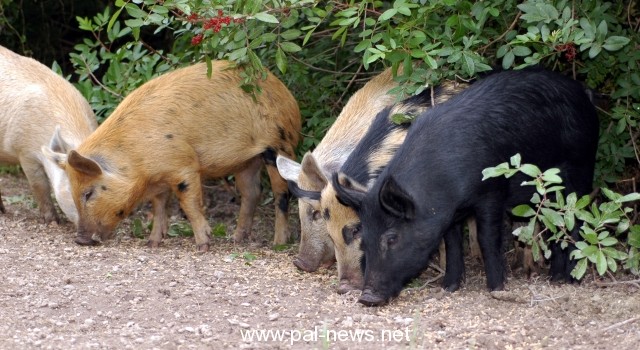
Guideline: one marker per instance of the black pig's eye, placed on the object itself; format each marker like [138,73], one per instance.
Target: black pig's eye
[316,215]
[392,239]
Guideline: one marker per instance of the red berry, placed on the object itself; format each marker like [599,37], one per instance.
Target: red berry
[197,39]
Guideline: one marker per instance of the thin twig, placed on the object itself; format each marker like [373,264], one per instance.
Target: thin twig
[97,81]
[320,69]
[350,82]
[427,283]
[608,284]
[635,147]
[616,325]
[513,24]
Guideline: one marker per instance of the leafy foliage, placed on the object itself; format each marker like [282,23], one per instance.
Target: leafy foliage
[603,230]
[325,50]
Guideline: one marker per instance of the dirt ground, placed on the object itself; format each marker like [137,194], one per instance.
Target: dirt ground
[55,294]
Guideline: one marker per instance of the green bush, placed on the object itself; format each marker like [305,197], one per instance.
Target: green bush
[608,237]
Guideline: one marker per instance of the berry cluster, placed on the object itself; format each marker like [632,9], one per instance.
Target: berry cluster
[569,50]
[214,23]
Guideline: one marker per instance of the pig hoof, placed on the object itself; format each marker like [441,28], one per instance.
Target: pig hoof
[302,265]
[203,248]
[153,244]
[81,240]
[240,236]
[345,288]
[369,299]
[451,287]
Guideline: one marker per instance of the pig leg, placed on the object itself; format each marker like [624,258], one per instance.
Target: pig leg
[2,209]
[189,192]
[489,221]
[160,219]
[454,271]
[41,189]
[281,197]
[248,184]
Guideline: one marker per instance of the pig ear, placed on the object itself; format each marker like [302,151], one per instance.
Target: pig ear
[57,143]
[83,165]
[309,196]
[348,192]
[288,169]
[395,201]
[312,171]
[60,159]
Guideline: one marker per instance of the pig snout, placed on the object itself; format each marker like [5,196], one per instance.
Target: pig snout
[85,240]
[304,265]
[348,284]
[310,262]
[370,298]
[86,235]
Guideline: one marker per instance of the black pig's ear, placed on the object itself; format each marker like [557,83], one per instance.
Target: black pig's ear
[395,201]
[348,192]
[309,196]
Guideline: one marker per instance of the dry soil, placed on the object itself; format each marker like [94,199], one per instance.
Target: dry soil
[55,294]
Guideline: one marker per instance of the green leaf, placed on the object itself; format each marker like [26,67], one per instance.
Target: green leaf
[134,11]
[549,224]
[523,210]
[595,50]
[629,197]
[113,19]
[601,31]
[515,160]
[544,32]
[288,46]
[535,250]
[387,14]
[589,235]
[431,62]
[614,43]
[508,59]
[569,220]
[614,253]
[583,202]
[634,236]
[580,269]
[521,51]
[468,64]
[404,11]
[610,194]
[551,175]
[162,10]
[363,45]
[530,170]
[611,264]
[601,263]
[401,118]
[290,34]
[609,241]
[238,54]
[266,17]
[134,23]
[281,61]
[553,216]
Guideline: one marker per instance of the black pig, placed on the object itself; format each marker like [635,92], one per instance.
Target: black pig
[434,181]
